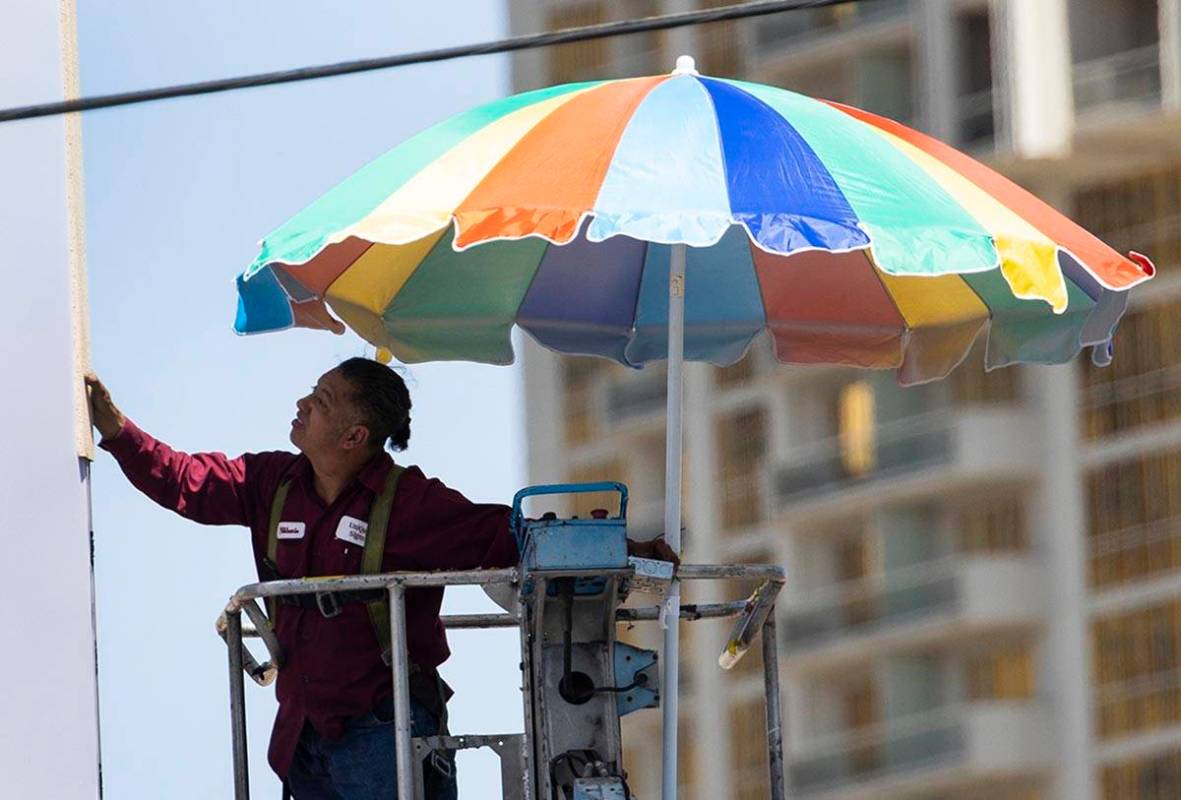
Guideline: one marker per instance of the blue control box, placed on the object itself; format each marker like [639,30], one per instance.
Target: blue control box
[571,544]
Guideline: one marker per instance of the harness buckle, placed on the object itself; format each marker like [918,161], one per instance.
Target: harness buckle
[329,604]
[440,763]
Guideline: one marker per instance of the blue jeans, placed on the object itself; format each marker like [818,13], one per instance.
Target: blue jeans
[360,764]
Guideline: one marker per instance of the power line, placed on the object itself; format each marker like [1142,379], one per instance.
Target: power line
[527,42]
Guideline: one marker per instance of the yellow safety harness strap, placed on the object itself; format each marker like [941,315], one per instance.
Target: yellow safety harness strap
[271,560]
[371,558]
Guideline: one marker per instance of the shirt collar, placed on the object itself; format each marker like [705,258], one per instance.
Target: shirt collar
[372,475]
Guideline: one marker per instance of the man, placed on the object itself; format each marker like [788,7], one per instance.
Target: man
[308,514]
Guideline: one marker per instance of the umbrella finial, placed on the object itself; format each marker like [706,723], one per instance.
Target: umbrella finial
[685,66]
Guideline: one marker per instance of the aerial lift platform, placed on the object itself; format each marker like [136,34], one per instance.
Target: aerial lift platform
[577,680]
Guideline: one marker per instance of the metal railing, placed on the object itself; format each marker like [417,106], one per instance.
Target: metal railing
[756,616]
[979,119]
[785,30]
[1107,393]
[635,397]
[900,446]
[1155,547]
[870,604]
[912,742]
[1132,76]
[1140,704]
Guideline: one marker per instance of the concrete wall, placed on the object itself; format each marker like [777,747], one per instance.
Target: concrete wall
[49,735]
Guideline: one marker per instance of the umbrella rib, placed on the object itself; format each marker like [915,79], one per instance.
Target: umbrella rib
[762,299]
[721,155]
[516,320]
[634,329]
[904,339]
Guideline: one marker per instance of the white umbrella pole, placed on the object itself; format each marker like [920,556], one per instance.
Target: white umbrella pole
[670,675]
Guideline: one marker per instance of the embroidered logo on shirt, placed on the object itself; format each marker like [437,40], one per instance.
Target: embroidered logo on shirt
[291,530]
[352,530]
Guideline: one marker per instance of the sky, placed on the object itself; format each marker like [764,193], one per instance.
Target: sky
[178,193]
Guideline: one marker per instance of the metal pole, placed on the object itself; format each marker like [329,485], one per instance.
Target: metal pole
[672,514]
[403,747]
[774,709]
[529,739]
[237,705]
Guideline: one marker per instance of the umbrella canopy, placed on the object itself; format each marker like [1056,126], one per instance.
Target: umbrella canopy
[850,238]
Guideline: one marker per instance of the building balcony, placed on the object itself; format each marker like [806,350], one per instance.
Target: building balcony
[1112,87]
[945,602]
[645,518]
[917,457]
[947,752]
[979,122]
[803,28]
[635,399]
[1132,557]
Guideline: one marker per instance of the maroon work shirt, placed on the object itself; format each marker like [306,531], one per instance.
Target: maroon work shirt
[333,669]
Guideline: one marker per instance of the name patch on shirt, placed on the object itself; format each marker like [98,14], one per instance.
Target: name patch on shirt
[352,530]
[291,530]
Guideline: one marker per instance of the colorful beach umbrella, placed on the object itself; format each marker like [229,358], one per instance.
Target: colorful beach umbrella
[680,216]
[850,238]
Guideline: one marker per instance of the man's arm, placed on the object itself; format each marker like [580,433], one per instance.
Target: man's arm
[455,533]
[467,535]
[209,488]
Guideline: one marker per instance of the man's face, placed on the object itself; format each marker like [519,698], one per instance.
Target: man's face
[326,420]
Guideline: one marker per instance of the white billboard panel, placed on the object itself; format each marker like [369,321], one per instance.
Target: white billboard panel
[48,688]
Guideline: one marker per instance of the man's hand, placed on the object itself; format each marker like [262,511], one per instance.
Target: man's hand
[656,548]
[104,414]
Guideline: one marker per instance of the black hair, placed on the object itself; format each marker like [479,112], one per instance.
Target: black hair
[381,396]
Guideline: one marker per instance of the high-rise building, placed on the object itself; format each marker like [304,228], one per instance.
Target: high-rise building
[984,592]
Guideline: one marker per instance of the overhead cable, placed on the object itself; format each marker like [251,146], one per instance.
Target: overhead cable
[526,42]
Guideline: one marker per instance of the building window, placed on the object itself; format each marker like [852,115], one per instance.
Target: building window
[737,374]
[688,757]
[885,83]
[859,598]
[1138,670]
[748,750]
[861,709]
[972,384]
[579,376]
[992,525]
[976,102]
[641,752]
[1141,212]
[831,81]
[1116,56]
[642,53]
[857,428]
[719,45]
[1151,778]
[1142,386]
[746,369]
[1134,530]
[584,504]
[742,449]
[1006,674]
[578,61]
